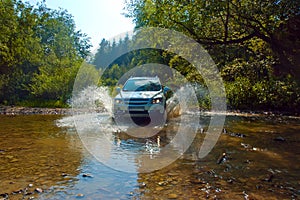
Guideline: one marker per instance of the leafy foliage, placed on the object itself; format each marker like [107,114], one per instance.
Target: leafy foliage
[254,43]
[224,25]
[40,52]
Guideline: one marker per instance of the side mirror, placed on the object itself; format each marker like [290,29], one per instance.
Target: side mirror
[167,92]
[118,89]
[166,89]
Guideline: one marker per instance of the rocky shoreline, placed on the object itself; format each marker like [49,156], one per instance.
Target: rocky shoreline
[13,110]
[17,110]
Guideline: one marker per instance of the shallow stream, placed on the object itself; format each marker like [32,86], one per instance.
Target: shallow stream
[256,157]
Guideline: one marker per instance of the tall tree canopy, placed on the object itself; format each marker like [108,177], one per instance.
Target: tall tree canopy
[40,51]
[255,44]
[227,22]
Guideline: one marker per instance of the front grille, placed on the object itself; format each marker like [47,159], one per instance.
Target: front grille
[136,101]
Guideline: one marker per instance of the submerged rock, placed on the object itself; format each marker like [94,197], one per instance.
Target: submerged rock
[38,190]
[222,158]
[279,139]
[172,196]
[80,195]
[87,175]
[4,196]
[269,178]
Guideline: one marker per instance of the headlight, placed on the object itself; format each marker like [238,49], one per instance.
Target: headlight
[118,101]
[156,101]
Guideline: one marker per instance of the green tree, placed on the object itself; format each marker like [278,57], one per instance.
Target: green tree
[228,22]
[40,51]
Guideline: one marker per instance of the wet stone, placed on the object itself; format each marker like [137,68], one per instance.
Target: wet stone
[174,182]
[198,181]
[142,185]
[258,186]
[162,183]
[222,158]
[87,175]
[173,174]
[38,190]
[9,157]
[64,174]
[19,191]
[4,196]
[279,139]
[159,188]
[230,181]
[172,196]
[269,178]
[14,160]
[80,195]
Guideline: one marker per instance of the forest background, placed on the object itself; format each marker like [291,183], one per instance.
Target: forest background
[255,45]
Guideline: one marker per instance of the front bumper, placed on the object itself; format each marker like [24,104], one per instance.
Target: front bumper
[137,110]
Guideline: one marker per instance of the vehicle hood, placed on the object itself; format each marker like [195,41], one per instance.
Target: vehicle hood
[137,94]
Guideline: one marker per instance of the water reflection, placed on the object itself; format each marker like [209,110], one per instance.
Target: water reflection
[37,153]
[262,160]
[135,148]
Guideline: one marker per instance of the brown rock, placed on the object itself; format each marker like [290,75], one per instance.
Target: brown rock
[172,196]
[38,190]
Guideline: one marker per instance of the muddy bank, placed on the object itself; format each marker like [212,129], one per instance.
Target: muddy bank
[12,110]
[173,111]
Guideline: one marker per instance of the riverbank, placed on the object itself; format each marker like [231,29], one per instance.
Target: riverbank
[15,110]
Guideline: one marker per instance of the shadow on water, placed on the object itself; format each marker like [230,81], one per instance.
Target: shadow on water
[256,157]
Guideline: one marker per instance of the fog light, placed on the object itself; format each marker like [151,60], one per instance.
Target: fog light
[118,101]
[156,101]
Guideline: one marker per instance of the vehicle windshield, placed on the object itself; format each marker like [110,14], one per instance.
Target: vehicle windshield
[142,85]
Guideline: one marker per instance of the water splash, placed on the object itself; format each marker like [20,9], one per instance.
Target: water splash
[93,106]
[92,118]
[93,98]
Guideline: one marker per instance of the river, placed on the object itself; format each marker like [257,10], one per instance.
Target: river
[256,157]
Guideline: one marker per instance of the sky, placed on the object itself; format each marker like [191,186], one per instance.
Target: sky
[97,18]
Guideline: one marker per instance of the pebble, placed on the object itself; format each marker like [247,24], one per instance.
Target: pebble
[159,188]
[173,174]
[80,195]
[64,174]
[18,191]
[222,158]
[5,196]
[9,157]
[162,183]
[279,139]
[269,178]
[246,146]
[30,185]
[143,185]
[230,181]
[172,196]
[38,190]
[198,181]
[87,175]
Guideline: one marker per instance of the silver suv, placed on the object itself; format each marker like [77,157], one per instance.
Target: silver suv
[141,97]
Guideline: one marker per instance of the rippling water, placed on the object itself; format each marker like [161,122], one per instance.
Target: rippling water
[262,161]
